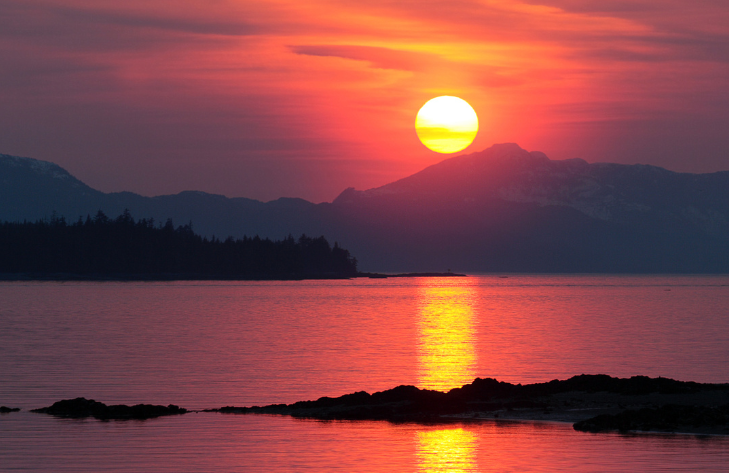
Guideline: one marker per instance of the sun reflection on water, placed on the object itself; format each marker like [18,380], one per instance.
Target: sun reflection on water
[446,450]
[446,334]
[446,359]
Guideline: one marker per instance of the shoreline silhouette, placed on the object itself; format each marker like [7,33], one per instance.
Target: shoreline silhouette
[208,277]
[101,248]
[592,403]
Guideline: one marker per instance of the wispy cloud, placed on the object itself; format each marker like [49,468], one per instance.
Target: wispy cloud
[228,84]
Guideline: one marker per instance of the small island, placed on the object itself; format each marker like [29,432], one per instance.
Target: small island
[80,408]
[447,274]
[593,403]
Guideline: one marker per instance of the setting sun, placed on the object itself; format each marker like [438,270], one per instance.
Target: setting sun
[446,124]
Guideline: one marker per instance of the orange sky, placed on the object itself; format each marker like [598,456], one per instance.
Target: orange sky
[305,98]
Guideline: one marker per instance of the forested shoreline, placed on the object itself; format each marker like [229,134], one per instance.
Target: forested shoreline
[100,247]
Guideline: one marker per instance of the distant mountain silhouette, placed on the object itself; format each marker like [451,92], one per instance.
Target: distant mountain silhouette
[32,190]
[503,209]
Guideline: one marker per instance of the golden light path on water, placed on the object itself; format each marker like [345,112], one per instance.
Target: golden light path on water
[446,450]
[447,359]
[446,334]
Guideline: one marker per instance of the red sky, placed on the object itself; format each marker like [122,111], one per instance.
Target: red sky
[265,99]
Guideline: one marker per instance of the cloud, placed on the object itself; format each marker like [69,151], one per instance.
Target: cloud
[85,29]
[168,22]
[111,88]
[384,58]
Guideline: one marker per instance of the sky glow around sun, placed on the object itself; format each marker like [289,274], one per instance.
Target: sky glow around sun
[281,97]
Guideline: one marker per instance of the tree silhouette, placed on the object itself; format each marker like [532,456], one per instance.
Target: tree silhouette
[125,248]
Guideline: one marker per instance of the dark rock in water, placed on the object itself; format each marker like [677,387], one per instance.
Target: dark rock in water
[410,275]
[82,407]
[671,418]
[5,410]
[402,403]
[578,399]
[634,386]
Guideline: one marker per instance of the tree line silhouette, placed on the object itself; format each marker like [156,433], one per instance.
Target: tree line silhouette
[125,248]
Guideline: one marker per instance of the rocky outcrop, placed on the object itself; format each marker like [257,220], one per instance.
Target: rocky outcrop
[671,418]
[595,402]
[82,407]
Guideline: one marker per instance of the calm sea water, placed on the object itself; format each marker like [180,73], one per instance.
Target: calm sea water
[210,344]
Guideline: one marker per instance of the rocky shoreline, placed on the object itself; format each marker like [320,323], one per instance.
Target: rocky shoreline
[592,403]
[82,407]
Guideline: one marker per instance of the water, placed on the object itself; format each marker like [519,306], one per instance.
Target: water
[210,344]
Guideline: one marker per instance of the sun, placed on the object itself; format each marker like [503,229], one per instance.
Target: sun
[446,124]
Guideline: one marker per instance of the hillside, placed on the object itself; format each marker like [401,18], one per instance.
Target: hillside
[503,209]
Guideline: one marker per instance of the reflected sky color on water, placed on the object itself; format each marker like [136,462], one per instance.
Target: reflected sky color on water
[211,344]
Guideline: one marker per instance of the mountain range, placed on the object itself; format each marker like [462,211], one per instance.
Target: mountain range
[503,209]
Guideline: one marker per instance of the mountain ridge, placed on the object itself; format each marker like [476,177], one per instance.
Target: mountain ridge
[500,209]
[571,194]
